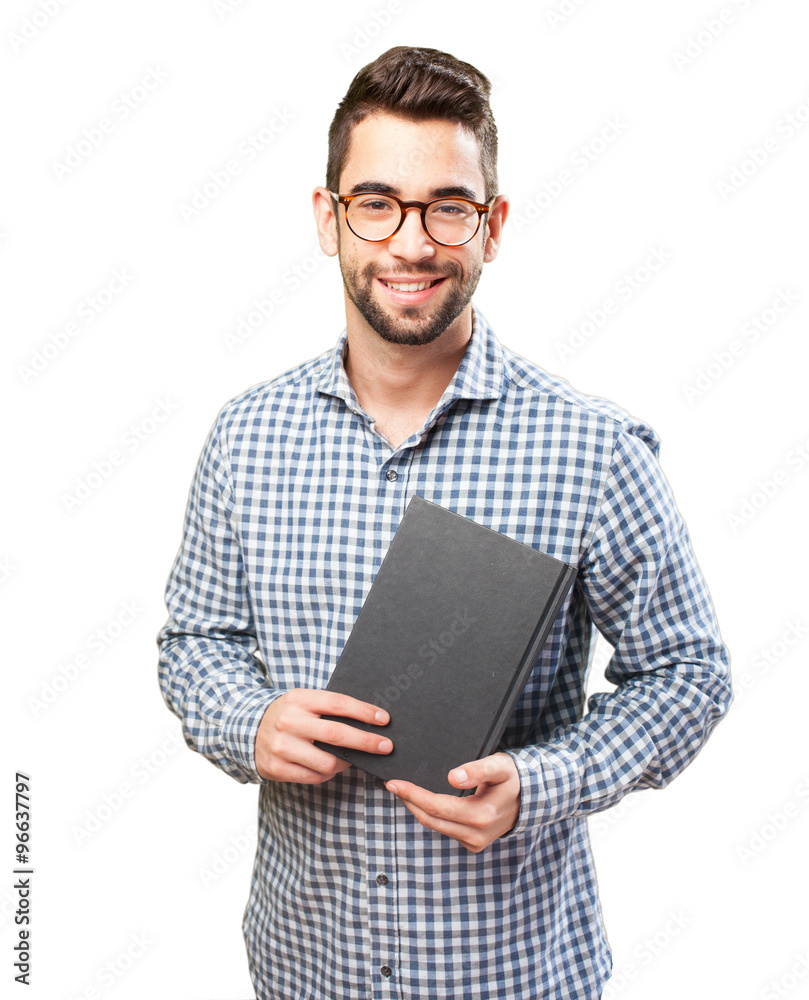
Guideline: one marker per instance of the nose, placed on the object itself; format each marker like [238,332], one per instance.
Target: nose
[411,242]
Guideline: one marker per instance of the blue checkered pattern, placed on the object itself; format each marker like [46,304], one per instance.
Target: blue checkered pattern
[290,513]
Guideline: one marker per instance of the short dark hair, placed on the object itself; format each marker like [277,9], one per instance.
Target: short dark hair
[417,84]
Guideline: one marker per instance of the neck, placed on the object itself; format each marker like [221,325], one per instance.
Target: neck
[387,377]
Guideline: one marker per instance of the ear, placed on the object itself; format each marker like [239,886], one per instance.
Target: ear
[323,205]
[496,220]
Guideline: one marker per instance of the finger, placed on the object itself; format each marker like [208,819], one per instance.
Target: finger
[471,838]
[302,721]
[299,751]
[300,773]
[438,807]
[341,735]
[473,812]
[490,770]
[333,703]
[306,776]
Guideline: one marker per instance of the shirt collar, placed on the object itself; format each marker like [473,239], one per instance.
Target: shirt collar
[478,376]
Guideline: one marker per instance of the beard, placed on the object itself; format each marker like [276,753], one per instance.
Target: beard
[411,325]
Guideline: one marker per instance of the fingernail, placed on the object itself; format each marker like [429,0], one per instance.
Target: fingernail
[392,788]
[385,746]
[381,717]
[461,775]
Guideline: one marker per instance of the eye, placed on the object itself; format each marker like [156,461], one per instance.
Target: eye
[451,209]
[373,205]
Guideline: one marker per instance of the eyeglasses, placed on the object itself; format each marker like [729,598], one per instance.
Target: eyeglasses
[376,217]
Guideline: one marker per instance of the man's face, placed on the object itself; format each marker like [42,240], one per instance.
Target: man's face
[418,161]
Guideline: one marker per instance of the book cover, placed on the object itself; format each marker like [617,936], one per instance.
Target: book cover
[445,642]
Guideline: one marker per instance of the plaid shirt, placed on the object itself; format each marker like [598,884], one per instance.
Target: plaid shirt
[294,503]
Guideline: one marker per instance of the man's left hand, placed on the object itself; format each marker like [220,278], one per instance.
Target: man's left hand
[473,820]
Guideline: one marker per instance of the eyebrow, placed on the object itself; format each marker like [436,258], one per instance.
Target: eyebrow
[451,191]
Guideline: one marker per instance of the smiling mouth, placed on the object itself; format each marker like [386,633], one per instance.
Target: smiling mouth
[410,286]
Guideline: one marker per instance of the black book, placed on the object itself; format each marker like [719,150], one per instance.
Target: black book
[445,642]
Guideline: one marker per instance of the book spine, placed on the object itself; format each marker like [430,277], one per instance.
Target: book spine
[521,675]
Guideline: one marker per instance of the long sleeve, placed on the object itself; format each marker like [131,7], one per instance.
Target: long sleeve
[645,593]
[210,673]
[295,502]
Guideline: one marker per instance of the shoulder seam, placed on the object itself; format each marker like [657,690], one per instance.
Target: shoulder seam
[308,371]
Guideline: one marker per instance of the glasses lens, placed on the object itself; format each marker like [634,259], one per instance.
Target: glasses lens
[373,216]
[452,221]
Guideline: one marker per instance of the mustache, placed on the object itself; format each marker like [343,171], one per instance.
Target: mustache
[452,269]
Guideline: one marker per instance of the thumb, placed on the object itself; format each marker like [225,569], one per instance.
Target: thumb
[492,770]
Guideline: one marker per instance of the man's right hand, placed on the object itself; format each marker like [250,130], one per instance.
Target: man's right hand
[285,749]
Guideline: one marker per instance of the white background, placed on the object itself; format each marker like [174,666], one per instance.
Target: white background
[141,848]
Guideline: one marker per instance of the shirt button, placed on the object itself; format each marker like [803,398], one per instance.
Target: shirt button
[380,784]
[382,879]
[391,475]
[386,971]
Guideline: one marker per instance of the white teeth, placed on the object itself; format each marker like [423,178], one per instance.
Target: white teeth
[411,286]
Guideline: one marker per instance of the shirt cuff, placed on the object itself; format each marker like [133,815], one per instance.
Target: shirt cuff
[550,785]
[239,731]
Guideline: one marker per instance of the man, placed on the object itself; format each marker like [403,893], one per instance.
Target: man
[366,890]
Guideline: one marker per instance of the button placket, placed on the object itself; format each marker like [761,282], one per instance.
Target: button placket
[382,896]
